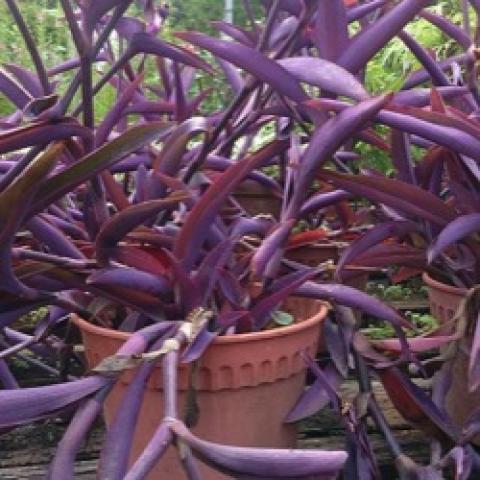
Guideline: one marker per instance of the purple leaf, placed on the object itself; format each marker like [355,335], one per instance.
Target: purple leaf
[27,404]
[119,438]
[416,406]
[321,200]
[71,64]
[128,277]
[40,133]
[337,345]
[115,113]
[145,107]
[127,27]
[168,162]
[351,297]
[14,202]
[398,195]
[401,157]
[53,238]
[448,131]
[421,75]
[102,158]
[455,231]
[262,462]
[38,105]
[62,465]
[325,75]
[147,43]
[273,243]
[232,75]
[368,42]
[13,90]
[331,29]
[373,237]
[28,80]
[420,97]
[252,61]
[128,219]
[236,33]
[430,65]
[209,270]
[315,398]
[200,343]
[359,11]
[326,140]
[95,11]
[417,344]
[199,220]
[276,294]
[447,27]
[474,362]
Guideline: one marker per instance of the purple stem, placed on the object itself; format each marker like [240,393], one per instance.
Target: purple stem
[120,435]
[62,465]
[156,447]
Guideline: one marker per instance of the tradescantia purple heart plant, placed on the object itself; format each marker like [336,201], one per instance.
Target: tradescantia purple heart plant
[130,221]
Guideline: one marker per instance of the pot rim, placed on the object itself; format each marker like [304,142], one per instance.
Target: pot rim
[431,282]
[220,340]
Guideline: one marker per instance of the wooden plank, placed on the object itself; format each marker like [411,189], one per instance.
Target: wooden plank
[84,470]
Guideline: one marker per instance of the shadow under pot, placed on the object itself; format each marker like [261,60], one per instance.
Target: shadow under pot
[246,385]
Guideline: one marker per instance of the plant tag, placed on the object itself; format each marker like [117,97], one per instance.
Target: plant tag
[282,318]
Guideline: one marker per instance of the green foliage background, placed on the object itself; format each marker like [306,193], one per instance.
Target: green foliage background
[386,72]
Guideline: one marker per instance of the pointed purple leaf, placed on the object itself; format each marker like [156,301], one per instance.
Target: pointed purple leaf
[454,232]
[252,61]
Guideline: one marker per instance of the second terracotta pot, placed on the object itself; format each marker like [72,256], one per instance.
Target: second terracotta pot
[256,199]
[246,385]
[315,254]
[444,299]
[459,402]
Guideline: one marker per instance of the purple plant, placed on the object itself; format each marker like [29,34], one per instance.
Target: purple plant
[131,221]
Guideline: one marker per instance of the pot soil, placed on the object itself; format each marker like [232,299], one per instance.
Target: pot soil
[246,385]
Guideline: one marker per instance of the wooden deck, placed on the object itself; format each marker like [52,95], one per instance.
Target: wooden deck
[26,451]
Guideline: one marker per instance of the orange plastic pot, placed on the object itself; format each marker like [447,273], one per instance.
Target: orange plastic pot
[246,385]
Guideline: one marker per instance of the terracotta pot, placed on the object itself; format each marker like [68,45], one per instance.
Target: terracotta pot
[444,299]
[459,402]
[246,385]
[257,199]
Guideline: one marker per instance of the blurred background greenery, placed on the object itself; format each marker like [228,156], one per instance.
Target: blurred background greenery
[386,72]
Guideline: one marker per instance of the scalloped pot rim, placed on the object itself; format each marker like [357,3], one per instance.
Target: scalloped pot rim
[431,282]
[221,340]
